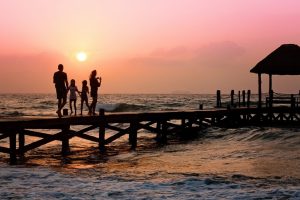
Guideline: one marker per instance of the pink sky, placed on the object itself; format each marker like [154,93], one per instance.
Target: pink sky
[142,46]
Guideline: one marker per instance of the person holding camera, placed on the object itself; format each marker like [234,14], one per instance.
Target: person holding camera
[95,82]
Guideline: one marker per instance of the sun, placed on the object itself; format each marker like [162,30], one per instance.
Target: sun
[81,56]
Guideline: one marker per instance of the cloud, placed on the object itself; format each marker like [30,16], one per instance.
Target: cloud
[214,54]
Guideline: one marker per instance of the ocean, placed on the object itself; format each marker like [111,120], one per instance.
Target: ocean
[218,163]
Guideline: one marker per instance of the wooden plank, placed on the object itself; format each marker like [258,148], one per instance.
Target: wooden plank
[78,133]
[116,136]
[4,150]
[3,136]
[88,137]
[35,133]
[50,138]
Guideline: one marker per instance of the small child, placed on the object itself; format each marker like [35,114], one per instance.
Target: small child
[73,97]
[84,96]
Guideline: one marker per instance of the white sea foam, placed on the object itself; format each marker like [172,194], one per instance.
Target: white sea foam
[42,183]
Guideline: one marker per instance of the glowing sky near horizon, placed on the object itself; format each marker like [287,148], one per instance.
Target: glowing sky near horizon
[141,46]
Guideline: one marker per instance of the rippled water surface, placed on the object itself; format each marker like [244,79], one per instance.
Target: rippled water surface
[217,163]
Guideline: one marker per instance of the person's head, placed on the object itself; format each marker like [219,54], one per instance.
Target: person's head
[60,67]
[84,83]
[73,82]
[93,74]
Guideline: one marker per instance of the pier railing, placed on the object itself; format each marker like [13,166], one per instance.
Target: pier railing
[244,99]
[277,99]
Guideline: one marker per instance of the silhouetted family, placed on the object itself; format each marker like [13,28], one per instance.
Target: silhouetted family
[60,79]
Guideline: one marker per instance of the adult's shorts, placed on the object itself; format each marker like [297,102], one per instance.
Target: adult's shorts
[61,93]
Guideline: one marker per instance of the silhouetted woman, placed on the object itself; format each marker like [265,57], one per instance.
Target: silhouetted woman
[95,82]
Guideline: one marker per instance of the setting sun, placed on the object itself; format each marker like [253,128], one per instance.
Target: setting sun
[81,56]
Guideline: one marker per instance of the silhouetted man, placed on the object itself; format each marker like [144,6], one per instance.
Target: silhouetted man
[60,80]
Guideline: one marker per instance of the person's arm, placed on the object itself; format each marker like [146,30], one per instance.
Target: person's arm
[54,81]
[66,81]
[79,93]
[99,82]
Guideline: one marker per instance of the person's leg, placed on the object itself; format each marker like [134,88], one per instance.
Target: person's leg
[87,105]
[94,105]
[58,107]
[75,106]
[71,110]
[64,102]
[58,103]
[81,106]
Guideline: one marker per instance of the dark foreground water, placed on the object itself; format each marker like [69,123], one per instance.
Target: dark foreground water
[243,163]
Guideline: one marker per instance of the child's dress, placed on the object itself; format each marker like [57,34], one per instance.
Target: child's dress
[73,90]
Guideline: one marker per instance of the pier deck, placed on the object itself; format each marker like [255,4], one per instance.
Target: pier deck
[162,123]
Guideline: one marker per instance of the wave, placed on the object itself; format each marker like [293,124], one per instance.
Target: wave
[121,107]
[289,136]
[12,114]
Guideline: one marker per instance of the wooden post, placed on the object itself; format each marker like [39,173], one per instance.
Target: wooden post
[200,106]
[65,140]
[102,130]
[248,98]
[270,84]
[244,97]
[259,91]
[133,134]
[219,104]
[292,107]
[183,123]
[293,102]
[271,98]
[232,97]
[21,143]
[164,133]
[239,98]
[12,148]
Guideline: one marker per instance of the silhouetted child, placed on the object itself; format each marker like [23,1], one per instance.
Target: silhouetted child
[84,96]
[73,97]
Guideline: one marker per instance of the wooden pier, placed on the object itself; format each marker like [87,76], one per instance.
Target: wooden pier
[160,123]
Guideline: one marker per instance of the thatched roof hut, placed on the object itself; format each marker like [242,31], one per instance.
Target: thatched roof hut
[285,60]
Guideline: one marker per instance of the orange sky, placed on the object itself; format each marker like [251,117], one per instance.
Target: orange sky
[141,46]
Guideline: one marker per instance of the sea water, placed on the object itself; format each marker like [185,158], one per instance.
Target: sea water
[218,163]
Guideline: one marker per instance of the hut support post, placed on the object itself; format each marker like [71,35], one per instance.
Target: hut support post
[270,91]
[259,90]
[102,131]
[270,84]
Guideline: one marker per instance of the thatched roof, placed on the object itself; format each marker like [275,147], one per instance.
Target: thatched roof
[283,61]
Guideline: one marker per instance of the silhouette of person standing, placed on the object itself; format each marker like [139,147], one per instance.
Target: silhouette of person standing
[94,83]
[60,80]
